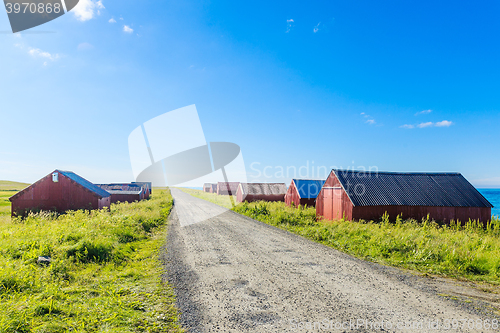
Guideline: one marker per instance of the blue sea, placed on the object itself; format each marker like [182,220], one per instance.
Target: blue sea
[493,196]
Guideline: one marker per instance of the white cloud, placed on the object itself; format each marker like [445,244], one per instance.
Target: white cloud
[112,20]
[444,123]
[316,28]
[427,124]
[37,53]
[87,9]
[369,119]
[128,29]
[289,25]
[423,112]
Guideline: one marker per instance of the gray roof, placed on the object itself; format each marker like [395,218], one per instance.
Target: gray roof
[124,192]
[146,185]
[409,189]
[85,183]
[74,177]
[122,188]
[233,186]
[264,188]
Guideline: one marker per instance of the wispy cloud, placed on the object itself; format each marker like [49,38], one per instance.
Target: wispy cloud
[128,29]
[87,9]
[316,28]
[423,112]
[444,123]
[39,54]
[426,124]
[289,25]
[112,20]
[368,119]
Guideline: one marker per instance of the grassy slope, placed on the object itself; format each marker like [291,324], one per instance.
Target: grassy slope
[105,274]
[466,251]
[11,186]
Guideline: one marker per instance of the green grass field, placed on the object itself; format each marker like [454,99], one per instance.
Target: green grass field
[8,189]
[466,251]
[106,273]
[12,186]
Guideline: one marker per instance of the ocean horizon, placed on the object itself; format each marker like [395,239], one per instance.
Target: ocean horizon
[493,196]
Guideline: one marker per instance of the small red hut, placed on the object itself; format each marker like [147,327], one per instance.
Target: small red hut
[59,191]
[303,192]
[125,192]
[356,195]
[261,191]
[227,188]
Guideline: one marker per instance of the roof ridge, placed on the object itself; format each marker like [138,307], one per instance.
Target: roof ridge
[397,173]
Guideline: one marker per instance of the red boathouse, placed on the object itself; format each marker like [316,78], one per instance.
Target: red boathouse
[303,192]
[261,191]
[59,191]
[227,188]
[357,195]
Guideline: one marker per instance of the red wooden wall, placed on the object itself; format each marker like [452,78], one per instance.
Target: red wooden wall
[333,203]
[61,196]
[126,197]
[292,195]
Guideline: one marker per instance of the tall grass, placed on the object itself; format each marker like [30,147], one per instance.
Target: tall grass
[105,273]
[461,250]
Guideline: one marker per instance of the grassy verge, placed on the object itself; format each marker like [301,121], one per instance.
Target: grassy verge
[221,200]
[461,251]
[105,274]
[465,251]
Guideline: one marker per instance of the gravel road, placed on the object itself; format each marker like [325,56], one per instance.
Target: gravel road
[235,274]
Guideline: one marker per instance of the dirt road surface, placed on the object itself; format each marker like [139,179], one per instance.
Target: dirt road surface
[235,274]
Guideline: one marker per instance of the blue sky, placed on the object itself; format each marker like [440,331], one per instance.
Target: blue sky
[396,85]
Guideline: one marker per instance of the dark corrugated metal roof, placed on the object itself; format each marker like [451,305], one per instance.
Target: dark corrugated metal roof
[409,189]
[85,183]
[263,188]
[124,192]
[146,185]
[233,186]
[121,188]
[308,188]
